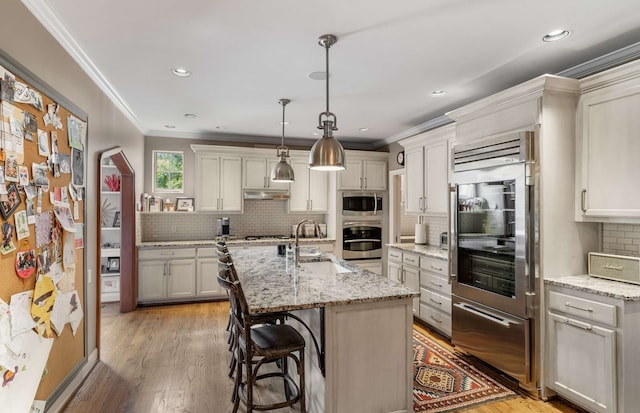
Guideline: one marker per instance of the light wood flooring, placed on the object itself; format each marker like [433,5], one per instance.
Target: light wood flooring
[174,359]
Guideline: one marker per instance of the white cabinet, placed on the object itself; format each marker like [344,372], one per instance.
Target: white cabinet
[166,274]
[364,171]
[257,174]
[207,273]
[310,190]
[607,166]
[404,267]
[435,294]
[427,171]
[218,183]
[109,233]
[592,341]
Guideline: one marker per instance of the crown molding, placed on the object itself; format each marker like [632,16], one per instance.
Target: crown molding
[52,23]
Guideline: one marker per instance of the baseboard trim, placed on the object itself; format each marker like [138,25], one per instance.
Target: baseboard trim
[66,395]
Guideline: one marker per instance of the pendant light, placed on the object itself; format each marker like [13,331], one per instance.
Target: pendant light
[327,154]
[282,171]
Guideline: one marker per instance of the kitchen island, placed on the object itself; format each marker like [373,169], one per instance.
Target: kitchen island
[362,323]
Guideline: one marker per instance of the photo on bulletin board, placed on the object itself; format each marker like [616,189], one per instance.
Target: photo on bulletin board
[77,167]
[13,201]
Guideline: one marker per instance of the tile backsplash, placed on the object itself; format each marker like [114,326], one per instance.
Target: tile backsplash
[621,239]
[260,217]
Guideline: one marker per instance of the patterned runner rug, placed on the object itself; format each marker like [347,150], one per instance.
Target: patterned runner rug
[443,382]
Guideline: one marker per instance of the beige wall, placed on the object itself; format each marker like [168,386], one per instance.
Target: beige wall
[25,40]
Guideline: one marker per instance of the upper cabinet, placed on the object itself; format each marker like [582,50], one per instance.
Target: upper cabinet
[309,191]
[427,171]
[218,182]
[365,171]
[257,173]
[607,167]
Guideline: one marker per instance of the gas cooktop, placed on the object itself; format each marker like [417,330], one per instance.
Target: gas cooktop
[265,237]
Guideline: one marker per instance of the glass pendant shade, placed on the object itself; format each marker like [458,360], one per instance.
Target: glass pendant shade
[282,171]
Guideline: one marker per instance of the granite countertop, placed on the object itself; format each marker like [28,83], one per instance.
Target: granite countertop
[237,242]
[426,250]
[600,286]
[269,285]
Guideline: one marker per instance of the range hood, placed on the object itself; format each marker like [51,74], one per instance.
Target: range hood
[266,194]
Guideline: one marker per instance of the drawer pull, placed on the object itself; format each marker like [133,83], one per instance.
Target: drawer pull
[435,319]
[588,309]
[436,268]
[436,284]
[437,302]
[577,324]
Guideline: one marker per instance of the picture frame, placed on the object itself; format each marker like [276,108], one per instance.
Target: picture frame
[184,204]
[113,264]
[13,201]
[116,219]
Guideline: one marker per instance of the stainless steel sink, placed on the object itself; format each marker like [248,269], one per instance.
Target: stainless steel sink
[325,267]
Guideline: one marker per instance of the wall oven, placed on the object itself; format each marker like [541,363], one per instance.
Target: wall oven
[492,253]
[361,240]
[361,204]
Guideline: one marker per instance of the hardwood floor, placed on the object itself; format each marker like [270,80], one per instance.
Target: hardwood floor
[174,359]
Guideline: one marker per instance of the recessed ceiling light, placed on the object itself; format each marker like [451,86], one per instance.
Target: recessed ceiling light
[284,123]
[221,127]
[190,115]
[363,129]
[181,72]
[317,75]
[438,93]
[556,35]
[170,126]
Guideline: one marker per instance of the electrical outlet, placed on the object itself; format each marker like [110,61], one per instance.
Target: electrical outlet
[89,276]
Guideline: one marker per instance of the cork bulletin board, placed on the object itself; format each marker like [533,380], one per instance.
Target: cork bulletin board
[43,149]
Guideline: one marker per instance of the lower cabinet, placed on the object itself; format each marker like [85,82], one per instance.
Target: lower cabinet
[592,357]
[166,274]
[403,266]
[207,273]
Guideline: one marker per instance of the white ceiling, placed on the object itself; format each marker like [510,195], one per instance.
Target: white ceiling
[390,55]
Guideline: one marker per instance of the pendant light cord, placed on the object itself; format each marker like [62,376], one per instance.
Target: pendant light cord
[326,47]
[283,106]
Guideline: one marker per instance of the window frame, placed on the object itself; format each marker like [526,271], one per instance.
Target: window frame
[154,171]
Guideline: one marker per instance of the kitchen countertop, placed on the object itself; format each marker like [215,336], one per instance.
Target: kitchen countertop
[237,242]
[426,250]
[270,286]
[600,286]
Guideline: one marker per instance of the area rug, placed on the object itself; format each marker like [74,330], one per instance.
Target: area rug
[443,382]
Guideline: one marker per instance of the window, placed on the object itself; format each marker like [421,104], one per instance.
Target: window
[168,170]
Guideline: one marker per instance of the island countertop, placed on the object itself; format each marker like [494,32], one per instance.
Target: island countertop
[270,285]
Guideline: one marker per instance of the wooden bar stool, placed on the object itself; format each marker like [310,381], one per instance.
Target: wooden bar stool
[259,343]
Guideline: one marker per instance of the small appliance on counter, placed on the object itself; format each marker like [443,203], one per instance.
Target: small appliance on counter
[226,226]
[444,240]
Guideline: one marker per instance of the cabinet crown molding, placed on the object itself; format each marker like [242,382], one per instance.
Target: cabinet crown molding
[424,138]
[610,77]
[532,89]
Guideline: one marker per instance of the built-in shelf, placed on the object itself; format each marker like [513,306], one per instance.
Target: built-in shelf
[110,252]
[110,192]
[109,235]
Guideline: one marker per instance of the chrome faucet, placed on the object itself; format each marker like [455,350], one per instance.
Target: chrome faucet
[297,247]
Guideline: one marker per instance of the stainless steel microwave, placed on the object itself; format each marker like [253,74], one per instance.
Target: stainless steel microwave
[361,204]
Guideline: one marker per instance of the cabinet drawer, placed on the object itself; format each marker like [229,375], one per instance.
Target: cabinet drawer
[395,255]
[410,259]
[582,307]
[435,265]
[208,252]
[166,254]
[109,284]
[435,283]
[435,300]
[435,318]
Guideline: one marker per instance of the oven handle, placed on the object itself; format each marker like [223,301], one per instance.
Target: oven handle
[453,233]
[465,307]
[375,203]
[347,241]
[375,224]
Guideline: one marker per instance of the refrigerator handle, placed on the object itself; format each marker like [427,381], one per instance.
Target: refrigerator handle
[453,233]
